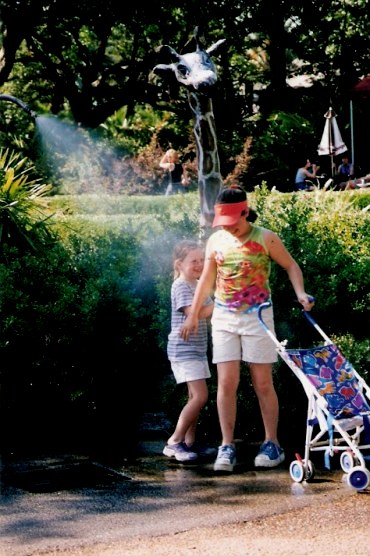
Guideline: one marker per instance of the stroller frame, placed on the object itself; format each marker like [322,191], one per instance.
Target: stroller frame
[327,431]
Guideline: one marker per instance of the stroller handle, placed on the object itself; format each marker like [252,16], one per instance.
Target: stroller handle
[313,323]
[268,304]
[307,314]
[260,309]
[264,325]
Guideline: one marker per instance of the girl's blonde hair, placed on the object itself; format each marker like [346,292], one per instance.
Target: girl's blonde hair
[180,252]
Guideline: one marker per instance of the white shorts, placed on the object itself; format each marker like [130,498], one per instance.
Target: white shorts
[240,337]
[185,371]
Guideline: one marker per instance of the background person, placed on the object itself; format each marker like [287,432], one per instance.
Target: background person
[304,173]
[237,265]
[345,173]
[189,361]
[178,179]
[358,183]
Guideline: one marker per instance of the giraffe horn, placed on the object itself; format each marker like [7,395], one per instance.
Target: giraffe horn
[171,53]
[197,34]
[214,49]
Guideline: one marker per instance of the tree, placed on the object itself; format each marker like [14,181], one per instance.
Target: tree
[88,60]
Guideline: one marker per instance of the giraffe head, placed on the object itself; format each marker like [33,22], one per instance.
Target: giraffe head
[195,70]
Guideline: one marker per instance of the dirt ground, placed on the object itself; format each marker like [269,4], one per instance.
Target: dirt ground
[69,506]
[335,528]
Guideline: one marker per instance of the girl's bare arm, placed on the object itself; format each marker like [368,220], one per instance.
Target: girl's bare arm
[279,253]
[204,288]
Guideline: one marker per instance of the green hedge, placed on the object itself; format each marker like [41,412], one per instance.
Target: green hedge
[85,325]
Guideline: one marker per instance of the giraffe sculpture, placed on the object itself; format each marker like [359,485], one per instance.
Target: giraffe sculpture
[197,72]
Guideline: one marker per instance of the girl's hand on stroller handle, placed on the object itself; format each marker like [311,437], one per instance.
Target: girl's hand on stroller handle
[311,299]
[307,301]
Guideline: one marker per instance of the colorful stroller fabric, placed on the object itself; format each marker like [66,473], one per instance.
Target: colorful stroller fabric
[333,377]
[338,412]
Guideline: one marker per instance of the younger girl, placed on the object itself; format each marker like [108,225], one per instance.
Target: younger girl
[188,359]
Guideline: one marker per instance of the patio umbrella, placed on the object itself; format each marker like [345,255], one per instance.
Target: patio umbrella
[363,87]
[331,142]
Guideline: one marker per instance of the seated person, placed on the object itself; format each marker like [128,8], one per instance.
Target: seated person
[358,183]
[304,173]
[345,172]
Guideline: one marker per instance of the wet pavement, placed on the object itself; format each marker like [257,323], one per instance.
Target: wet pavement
[57,503]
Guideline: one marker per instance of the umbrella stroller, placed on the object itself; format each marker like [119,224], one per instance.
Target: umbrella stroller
[338,413]
[331,143]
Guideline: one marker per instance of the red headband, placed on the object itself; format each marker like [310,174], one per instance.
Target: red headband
[227,214]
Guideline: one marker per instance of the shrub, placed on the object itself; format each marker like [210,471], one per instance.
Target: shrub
[76,315]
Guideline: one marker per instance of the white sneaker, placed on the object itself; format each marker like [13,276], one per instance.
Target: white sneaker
[180,452]
[226,458]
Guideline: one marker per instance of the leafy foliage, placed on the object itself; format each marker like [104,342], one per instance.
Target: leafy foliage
[91,63]
[76,315]
[22,221]
[328,235]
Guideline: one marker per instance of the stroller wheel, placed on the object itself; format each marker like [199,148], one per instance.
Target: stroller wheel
[347,461]
[310,471]
[358,477]
[296,470]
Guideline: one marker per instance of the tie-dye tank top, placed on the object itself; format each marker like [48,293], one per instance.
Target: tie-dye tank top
[243,270]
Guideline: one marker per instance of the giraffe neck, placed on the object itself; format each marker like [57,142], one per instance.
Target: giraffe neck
[209,177]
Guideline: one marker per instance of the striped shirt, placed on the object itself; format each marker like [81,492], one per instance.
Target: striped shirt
[195,347]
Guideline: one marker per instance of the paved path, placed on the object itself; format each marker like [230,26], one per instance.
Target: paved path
[163,508]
